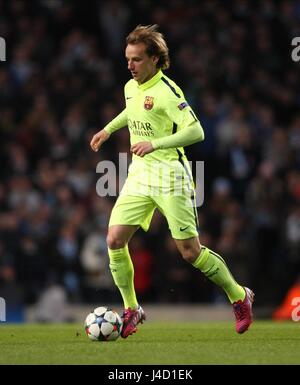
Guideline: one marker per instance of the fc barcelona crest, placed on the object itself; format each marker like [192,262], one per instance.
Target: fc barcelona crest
[148,102]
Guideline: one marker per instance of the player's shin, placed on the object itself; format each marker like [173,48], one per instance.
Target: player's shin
[214,267]
[122,271]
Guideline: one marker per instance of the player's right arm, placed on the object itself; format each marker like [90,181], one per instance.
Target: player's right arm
[118,122]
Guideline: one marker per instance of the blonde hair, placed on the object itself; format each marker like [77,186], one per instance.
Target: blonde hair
[154,42]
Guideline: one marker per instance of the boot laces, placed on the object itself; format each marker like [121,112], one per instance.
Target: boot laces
[240,309]
[129,314]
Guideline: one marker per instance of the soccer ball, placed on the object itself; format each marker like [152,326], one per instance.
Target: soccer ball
[103,324]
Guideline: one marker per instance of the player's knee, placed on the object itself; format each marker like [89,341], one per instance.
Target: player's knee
[114,242]
[190,253]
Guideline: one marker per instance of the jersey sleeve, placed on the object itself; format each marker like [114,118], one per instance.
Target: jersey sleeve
[118,122]
[188,129]
[188,135]
[178,109]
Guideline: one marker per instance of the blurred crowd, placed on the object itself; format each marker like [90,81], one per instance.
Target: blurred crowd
[63,80]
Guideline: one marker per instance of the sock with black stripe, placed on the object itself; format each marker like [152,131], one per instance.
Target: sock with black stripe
[214,267]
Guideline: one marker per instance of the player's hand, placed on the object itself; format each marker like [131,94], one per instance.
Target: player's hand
[98,139]
[142,148]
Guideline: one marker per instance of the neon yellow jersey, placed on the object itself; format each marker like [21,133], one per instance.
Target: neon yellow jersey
[156,109]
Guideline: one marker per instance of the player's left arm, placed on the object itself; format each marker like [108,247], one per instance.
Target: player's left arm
[190,134]
[189,129]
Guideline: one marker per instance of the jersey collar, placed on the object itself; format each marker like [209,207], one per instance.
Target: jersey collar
[152,81]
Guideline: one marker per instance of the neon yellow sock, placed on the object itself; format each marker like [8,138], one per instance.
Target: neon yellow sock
[122,271]
[214,267]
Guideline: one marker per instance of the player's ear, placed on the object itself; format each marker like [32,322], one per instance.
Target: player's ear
[155,59]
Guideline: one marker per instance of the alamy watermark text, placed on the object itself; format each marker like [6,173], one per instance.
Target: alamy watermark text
[2,310]
[296,51]
[157,178]
[296,311]
[2,49]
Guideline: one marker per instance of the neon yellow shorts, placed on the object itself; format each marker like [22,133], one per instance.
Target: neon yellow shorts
[180,212]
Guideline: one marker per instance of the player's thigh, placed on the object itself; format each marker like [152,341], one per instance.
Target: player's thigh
[181,215]
[132,211]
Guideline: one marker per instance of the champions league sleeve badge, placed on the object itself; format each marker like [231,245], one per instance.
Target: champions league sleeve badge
[182,105]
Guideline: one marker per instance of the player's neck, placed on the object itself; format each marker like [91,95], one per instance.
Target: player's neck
[150,76]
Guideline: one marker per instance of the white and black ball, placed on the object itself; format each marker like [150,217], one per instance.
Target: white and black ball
[103,324]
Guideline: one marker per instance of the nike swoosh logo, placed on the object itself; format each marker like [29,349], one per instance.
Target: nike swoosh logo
[183,228]
[129,97]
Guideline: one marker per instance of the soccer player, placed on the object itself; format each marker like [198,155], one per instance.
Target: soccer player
[161,123]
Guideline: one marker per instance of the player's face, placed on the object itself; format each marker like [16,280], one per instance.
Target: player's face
[141,66]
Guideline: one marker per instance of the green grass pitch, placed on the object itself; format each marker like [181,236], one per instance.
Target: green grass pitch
[154,343]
